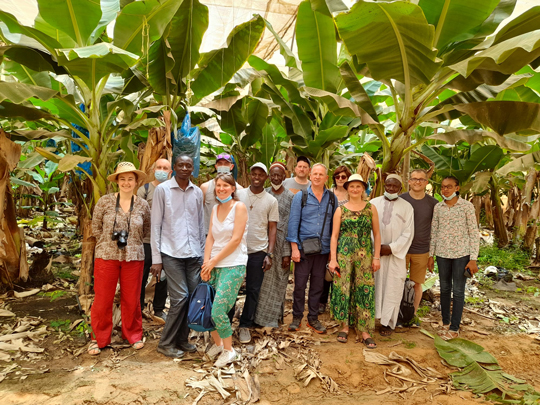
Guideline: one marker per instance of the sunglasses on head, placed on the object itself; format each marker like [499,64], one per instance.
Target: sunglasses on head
[223,156]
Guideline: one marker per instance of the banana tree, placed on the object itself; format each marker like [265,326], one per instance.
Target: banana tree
[435,61]
[178,74]
[312,129]
[70,72]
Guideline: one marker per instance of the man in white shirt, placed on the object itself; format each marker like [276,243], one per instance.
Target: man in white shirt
[396,224]
[263,216]
[300,182]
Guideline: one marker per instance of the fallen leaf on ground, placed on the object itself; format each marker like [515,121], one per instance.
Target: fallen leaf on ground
[27,293]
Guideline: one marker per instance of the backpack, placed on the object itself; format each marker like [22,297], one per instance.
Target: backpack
[200,308]
[406,308]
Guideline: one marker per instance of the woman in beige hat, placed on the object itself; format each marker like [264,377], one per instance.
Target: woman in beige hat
[354,259]
[120,223]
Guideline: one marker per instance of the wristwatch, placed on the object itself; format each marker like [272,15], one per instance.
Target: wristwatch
[270,255]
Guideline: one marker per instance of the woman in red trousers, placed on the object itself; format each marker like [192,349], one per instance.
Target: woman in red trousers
[120,223]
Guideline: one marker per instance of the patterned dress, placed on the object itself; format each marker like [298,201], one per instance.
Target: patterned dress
[353,294]
[272,295]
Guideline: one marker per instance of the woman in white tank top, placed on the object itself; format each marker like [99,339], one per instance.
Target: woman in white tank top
[225,259]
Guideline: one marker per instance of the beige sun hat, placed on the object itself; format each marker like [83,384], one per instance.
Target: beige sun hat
[127,167]
[354,177]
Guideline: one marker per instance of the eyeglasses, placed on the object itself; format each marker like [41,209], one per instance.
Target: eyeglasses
[341,177]
[447,187]
[415,180]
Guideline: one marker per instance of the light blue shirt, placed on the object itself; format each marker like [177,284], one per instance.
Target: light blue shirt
[177,228]
[312,219]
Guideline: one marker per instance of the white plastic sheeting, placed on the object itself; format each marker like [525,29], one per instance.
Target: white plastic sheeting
[225,14]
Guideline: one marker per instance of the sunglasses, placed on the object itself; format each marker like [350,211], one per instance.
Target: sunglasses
[224,156]
[341,177]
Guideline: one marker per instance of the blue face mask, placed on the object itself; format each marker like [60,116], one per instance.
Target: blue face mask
[449,197]
[161,176]
[229,198]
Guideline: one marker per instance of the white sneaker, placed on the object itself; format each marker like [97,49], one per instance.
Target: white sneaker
[214,351]
[225,358]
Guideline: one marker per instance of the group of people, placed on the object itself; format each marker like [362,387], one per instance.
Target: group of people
[222,234]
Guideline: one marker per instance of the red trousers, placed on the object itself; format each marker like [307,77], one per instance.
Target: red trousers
[106,274]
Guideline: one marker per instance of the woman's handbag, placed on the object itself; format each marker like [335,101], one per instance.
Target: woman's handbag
[200,308]
[313,246]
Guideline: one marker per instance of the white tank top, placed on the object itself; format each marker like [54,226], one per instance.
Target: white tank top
[223,232]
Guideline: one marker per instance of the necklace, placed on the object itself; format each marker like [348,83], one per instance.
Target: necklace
[257,197]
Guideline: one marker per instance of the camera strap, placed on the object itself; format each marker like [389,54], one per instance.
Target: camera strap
[118,208]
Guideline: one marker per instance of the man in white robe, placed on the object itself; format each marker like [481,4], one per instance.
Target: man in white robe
[396,224]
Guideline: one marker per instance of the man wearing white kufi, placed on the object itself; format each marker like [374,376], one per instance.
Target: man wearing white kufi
[396,222]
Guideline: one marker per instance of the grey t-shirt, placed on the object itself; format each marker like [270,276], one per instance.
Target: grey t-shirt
[292,185]
[262,208]
[147,195]
[423,214]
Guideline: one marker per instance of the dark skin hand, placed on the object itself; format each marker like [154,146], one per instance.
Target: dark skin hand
[272,233]
[286,262]
[386,250]
[183,166]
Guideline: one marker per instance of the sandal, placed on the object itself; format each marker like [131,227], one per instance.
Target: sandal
[448,335]
[386,330]
[93,348]
[342,337]
[138,345]
[370,343]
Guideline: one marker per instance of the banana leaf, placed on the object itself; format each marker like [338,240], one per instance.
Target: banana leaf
[456,20]
[480,372]
[76,18]
[317,48]
[217,67]
[394,39]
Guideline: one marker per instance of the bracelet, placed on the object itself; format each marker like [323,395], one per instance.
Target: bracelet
[376,258]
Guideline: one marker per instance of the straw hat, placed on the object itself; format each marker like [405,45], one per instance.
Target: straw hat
[354,177]
[127,167]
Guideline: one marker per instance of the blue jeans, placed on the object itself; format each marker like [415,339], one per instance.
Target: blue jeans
[452,278]
[183,275]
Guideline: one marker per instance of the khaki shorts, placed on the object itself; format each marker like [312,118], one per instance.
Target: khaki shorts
[418,267]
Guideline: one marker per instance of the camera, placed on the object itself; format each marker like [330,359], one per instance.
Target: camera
[120,238]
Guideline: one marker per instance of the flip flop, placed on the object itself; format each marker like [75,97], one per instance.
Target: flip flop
[342,337]
[369,341]
[448,335]
[138,345]
[386,331]
[93,348]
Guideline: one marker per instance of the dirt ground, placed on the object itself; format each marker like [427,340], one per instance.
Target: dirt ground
[124,376]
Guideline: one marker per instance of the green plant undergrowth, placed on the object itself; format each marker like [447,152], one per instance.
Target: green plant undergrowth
[510,258]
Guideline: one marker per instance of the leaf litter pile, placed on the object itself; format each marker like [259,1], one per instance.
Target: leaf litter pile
[239,384]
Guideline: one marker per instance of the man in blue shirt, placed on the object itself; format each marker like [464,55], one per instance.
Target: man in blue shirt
[308,222]
[177,239]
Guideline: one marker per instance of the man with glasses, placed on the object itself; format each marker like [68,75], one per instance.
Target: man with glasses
[224,164]
[418,255]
